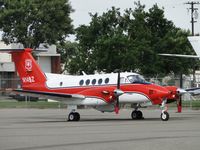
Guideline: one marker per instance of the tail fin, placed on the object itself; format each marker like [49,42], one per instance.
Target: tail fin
[29,71]
[195,42]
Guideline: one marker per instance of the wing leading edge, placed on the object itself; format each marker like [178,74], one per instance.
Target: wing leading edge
[179,55]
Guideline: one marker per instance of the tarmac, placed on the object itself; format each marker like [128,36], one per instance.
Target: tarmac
[47,129]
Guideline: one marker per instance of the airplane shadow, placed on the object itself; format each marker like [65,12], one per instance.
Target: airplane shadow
[109,120]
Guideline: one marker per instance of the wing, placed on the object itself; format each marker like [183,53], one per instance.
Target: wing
[179,55]
[50,95]
[194,91]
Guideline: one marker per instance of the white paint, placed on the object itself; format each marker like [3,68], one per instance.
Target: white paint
[87,101]
[54,80]
[195,42]
[133,98]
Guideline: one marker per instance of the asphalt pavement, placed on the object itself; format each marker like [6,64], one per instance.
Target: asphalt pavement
[47,129]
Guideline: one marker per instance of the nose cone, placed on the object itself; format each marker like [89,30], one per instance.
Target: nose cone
[174,92]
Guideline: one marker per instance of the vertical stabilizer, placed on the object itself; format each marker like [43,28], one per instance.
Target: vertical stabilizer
[195,42]
[29,71]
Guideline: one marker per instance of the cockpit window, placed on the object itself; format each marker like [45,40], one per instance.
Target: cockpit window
[136,79]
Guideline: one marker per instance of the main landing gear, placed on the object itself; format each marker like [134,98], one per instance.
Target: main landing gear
[73,116]
[164,114]
[136,114]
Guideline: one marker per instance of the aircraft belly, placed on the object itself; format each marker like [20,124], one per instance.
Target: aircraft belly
[133,98]
[90,101]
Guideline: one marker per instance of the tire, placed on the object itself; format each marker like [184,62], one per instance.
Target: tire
[77,116]
[134,115]
[139,114]
[74,116]
[71,116]
[164,116]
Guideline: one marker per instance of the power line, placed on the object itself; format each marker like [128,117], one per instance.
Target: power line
[194,14]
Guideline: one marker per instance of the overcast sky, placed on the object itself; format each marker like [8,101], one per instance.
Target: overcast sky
[176,11]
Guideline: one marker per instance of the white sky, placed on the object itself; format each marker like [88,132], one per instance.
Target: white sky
[175,10]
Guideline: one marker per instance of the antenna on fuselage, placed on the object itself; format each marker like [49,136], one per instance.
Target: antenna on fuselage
[83,73]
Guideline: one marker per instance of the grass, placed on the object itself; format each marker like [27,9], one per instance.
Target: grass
[40,105]
[44,104]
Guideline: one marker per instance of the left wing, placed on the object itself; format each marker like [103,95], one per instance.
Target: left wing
[179,55]
[50,95]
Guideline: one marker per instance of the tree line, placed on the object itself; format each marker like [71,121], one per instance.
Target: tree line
[128,40]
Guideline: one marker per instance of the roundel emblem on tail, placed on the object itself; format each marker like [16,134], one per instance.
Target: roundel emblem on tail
[28,64]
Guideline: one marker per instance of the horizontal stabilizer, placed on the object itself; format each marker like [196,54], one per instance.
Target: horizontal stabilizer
[11,50]
[21,50]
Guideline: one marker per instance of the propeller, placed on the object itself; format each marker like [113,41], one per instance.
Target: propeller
[117,92]
[180,91]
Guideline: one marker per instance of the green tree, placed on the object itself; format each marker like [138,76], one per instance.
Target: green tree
[32,22]
[132,41]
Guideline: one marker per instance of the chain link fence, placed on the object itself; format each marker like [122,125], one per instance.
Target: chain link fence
[7,84]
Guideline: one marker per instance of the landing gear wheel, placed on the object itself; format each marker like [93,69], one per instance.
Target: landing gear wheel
[77,116]
[139,114]
[74,116]
[164,116]
[136,115]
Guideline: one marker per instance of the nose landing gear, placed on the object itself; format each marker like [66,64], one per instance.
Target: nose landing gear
[164,114]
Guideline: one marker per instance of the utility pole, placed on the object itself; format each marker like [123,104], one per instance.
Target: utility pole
[193,14]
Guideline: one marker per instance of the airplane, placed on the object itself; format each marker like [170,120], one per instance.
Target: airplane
[104,92]
[195,42]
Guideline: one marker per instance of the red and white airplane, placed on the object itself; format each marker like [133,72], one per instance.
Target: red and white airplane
[104,92]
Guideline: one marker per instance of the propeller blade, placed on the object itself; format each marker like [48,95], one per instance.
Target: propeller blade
[179,105]
[117,92]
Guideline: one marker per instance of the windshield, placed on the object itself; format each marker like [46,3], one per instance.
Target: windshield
[136,79]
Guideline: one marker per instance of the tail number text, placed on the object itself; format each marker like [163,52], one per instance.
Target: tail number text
[30,79]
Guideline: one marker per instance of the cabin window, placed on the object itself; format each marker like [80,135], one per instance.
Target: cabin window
[94,81]
[61,83]
[100,81]
[87,82]
[106,80]
[81,82]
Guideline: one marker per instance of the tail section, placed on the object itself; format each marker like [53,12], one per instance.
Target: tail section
[31,75]
[195,42]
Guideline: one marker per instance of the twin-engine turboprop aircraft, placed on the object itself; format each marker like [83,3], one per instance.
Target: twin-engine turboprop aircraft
[104,92]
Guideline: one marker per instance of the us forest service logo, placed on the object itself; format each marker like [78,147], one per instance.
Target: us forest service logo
[28,65]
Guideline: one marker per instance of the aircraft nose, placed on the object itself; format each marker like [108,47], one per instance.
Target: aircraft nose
[163,93]
[160,92]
